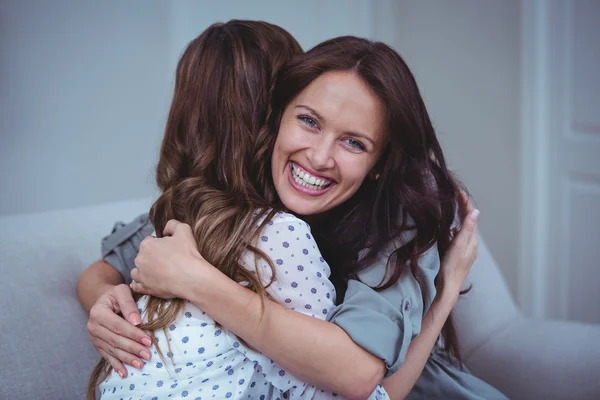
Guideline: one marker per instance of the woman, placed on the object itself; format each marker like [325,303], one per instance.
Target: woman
[423,173]
[202,172]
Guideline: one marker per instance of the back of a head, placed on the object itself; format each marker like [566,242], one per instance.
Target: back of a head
[221,100]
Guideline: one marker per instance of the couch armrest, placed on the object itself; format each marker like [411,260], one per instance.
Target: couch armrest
[535,359]
[485,309]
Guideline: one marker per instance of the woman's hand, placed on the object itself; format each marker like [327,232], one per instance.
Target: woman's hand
[165,265]
[117,338]
[462,252]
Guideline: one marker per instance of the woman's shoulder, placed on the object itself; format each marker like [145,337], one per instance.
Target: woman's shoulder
[284,220]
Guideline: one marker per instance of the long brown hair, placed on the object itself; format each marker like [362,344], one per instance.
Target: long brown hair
[206,170]
[415,195]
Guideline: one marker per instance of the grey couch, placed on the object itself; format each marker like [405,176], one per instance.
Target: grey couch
[46,353]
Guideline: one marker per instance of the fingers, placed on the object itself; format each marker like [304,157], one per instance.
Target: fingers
[146,241]
[467,230]
[467,202]
[170,227]
[465,205]
[173,226]
[127,305]
[124,350]
[135,275]
[475,241]
[469,238]
[116,326]
[138,288]
[470,222]
[466,240]
[116,364]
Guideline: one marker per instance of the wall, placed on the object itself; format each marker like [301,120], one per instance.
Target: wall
[467,62]
[85,90]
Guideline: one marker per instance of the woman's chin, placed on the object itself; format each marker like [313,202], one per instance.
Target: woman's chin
[298,210]
[300,207]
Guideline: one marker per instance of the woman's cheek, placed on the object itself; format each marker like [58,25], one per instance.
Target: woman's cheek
[356,170]
[295,140]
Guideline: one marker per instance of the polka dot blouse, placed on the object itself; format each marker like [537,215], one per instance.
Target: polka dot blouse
[208,362]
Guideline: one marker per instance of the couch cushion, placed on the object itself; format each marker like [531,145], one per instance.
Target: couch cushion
[45,346]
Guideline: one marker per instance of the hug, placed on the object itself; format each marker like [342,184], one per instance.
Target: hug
[309,240]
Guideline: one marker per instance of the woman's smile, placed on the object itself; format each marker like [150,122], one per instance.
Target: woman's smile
[306,182]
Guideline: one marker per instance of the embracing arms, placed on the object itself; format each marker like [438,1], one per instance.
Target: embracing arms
[453,272]
[103,292]
[311,349]
[290,330]
[96,280]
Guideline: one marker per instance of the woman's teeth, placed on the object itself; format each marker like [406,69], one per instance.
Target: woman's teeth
[307,180]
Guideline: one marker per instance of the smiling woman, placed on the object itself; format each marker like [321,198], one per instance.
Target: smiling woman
[330,138]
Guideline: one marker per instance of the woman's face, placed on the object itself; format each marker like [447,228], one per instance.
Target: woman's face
[330,138]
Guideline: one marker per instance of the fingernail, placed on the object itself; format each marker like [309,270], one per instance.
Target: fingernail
[120,374]
[135,318]
[137,364]
[474,215]
[145,355]
[146,342]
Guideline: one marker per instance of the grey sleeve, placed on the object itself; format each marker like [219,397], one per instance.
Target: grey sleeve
[120,248]
[374,324]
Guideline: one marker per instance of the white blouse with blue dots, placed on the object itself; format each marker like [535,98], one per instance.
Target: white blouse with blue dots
[209,362]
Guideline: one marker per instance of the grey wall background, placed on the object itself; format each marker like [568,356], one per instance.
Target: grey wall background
[467,61]
[85,90]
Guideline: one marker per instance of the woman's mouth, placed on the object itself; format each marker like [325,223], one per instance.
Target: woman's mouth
[306,183]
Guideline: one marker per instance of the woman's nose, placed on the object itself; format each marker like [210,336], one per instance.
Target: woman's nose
[320,153]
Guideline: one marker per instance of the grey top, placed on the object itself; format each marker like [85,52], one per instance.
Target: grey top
[383,323]
[120,248]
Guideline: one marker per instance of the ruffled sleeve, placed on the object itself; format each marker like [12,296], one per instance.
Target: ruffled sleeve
[378,326]
[120,248]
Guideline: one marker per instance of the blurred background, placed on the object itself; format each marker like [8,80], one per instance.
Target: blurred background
[512,87]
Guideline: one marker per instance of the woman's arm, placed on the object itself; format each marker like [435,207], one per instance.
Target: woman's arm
[119,250]
[102,292]
[453,272]
[311,349]
[399,384]
[96,280]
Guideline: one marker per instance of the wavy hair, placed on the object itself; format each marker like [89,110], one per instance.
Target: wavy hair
[414,199]
[205,171]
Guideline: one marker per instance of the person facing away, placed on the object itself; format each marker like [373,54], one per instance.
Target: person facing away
[221,100]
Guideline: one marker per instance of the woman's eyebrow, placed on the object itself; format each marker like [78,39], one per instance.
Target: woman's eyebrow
[311,110]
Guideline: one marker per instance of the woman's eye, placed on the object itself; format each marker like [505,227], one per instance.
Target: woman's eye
[355,144]
[308,121]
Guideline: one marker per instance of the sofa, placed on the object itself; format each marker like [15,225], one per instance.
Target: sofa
[46,352]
